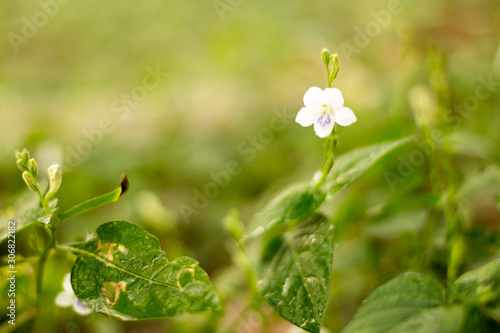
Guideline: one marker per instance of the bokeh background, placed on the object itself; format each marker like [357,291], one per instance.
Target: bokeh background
[227,65]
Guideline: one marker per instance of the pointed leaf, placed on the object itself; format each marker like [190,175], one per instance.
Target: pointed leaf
[481,285]
[351,165]
[91,204]
[292,202]
[478,180]
[123,273]
[411,302]
[294,271]
[96,202]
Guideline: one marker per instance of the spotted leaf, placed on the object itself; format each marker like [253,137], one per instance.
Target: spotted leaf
[294,270]
[123,273]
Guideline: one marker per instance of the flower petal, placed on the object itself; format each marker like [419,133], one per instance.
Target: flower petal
[67,283]
[80,308]
[306,117]
[323,126]
[344,116]
[65,299]
[313,98]
[333,98]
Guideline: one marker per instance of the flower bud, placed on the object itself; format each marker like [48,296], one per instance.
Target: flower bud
[22,159]
[30,181]
[334,62]
[33,167]
[55,177]
[23,155]
[325,55]
[23,166]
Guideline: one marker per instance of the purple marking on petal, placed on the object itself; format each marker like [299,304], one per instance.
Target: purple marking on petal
[324,119]
[80,304]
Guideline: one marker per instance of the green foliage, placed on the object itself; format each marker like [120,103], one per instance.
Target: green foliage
[123,273]
[107,105]
[301,199]
[91,204]
[351,165]
[298,255]
[32,217]
[482,285]
[411,302]
[294,270]
[290,203]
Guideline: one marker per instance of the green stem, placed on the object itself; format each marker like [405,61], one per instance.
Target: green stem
[328,157]
[238,253]
[41,268]
[42,201]
[443,183]
[454,245]
[436,187]
[427,239]
[329,76]
[332,69]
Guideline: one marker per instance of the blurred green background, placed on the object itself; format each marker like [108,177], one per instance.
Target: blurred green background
[229,64]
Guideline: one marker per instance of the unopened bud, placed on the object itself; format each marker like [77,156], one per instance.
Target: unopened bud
[33,167]
[30,181]
[22,159]
[23,155]
[55,177]
[23,166]
[325,55]
[334,62]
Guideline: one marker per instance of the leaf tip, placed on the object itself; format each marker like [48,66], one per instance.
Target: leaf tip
[124,184]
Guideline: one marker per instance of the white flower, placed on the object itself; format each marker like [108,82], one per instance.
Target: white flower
[324,108]
[67,298]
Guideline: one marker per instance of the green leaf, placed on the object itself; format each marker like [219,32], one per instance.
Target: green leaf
[411,221]
[91,204]
[461,142]
[123,273]
[435,320]
[490,177]
[301,199]
[351,165]
[294,270]
[411,302]
[481,285]
[34,216]
[292,202]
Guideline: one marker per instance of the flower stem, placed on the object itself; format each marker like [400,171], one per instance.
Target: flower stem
[328,157]
[42,201]
[332,69]
[41,268]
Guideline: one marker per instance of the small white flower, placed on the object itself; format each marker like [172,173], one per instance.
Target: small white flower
[324,108]
[67,298]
